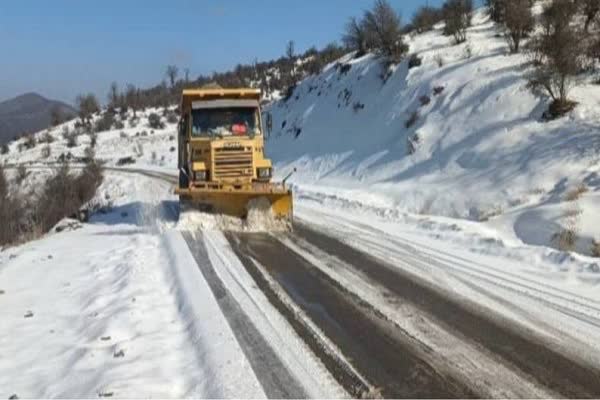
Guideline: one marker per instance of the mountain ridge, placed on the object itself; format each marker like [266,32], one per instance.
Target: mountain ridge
[27,113]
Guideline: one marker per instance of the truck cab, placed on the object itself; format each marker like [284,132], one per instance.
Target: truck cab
[221,139]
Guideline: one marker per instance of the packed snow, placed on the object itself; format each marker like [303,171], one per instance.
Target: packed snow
[106,309]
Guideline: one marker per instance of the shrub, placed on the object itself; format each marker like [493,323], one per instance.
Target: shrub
[439,60]
[21,173]
[65,132]
[414,61]
[172,117]
[355,37]
[414,117]
[172,149]
[11,213]
[345,68]
[89,154]
[133,122]
[93,139]
[289,92]
[595,250]
[576,192]
[46,138]
[518,22]
[105,122]
[558,55]
[468,52]
[30,142]
[87,105]
[46,151]
[72,141]
[357,106]
[424,100]
[118,124]
[558,108]
[123,135]
[425,18]
[384,31]
[63,194]
[412,143]
[155,122]
[457,16]
[565,239]
[4,149]
[496,10]
[438,90]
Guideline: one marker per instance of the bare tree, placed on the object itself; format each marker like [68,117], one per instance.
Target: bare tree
[355,36]
[57,117]
[457,15]
[289,50]
[559,54]
[172,73]
[113,95]
[590,9]
[132,98]
[383,27]
[87,105]
[3,185]
[496,9]
[425,18]
[518,22]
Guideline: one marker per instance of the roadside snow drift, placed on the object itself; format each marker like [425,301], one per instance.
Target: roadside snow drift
[459,136]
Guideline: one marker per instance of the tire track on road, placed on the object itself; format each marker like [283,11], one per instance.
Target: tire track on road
[515,346]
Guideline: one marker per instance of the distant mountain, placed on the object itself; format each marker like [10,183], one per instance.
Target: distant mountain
[29,113]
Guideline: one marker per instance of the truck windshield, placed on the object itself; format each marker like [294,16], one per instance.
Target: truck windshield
[218,122]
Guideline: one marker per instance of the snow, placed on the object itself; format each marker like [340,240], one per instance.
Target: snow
[124,282]
[474,210]
[558,297]
[481,148]
[260,218]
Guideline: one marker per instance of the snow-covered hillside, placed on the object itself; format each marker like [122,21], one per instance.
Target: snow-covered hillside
[477,149]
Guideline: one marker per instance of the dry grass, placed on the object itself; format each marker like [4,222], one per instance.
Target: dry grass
[566,238]
[576,193]
[595,248]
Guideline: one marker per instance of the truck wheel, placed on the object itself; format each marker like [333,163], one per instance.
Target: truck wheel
[184,180]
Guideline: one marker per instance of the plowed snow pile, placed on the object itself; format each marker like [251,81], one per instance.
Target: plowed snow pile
[260,219]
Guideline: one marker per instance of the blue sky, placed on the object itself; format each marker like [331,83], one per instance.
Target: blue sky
[61,48]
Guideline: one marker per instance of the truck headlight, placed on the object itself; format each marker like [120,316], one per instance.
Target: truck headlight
[200,175]
[263,173]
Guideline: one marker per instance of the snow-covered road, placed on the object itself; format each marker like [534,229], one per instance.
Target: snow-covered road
[354,301]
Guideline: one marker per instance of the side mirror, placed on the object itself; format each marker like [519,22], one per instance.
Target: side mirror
[269,124]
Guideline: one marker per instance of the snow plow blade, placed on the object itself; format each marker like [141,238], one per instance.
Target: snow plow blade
[238,202]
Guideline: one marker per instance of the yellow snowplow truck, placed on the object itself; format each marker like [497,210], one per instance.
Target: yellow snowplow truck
[222,166]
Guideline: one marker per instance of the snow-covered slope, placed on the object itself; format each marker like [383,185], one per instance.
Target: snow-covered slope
[478,148]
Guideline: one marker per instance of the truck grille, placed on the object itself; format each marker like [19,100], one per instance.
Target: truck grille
[235,162]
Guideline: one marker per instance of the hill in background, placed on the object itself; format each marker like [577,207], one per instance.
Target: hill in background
[29,113]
